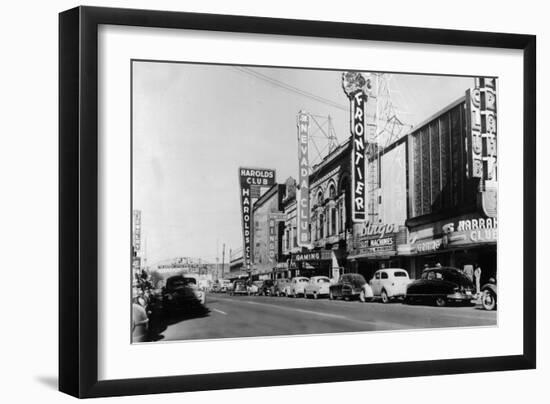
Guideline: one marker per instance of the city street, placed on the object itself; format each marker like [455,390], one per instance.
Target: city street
[246,316]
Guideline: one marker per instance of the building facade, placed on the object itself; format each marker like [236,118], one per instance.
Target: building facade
[267,232]
[452,214]
[431,199]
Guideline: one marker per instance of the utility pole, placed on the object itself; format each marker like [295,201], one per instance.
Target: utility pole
[223,259]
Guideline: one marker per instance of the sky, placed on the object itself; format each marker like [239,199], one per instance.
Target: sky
[194,125]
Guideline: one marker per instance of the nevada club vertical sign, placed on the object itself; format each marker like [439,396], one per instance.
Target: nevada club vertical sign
[353,84]
[304,237]
[251,181]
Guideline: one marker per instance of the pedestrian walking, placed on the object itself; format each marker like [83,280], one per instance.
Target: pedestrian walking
[477,274]
[469,272]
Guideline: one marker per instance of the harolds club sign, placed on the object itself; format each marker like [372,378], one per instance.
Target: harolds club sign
[251,180]
[304,237]
[354,84]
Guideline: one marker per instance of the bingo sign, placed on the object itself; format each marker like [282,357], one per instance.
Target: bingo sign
[251,180]
[354,84]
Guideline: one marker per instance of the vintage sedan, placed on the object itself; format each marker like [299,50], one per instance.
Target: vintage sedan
[389,283]
[441,285]
[239,287]
[350,286]
[297,285]
[317,286]
[281,287]
[266,288]
[181,293]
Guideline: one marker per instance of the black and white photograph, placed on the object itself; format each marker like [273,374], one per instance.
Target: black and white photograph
[277,201]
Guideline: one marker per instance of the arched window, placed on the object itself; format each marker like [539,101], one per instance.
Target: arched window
[320,198]
[332,192]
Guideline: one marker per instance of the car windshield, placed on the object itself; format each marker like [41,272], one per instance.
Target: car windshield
[303,280]
[323,280]
[179,281]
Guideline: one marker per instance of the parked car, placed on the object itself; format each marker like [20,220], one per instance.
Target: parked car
[216,287]
[254,287]
[297,285]
[350,286]
[489,295]
[281,287]
[389,283]
[317,286]
[441,285]
[225,285]
[239,287]
[266,288]
[181,293]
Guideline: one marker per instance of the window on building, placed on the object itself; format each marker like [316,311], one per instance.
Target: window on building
[333,219]
[321,226]
[331,192]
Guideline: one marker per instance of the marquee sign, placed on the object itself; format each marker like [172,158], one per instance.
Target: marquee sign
[302,207]
[251,179]
[354,84]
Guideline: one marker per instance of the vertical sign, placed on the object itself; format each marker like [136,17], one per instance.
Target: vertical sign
[271,240]
[354,84]
[302,206]
[137,230]
[489,127]
[488,90]
[251,180]
[473,119]
[359,164]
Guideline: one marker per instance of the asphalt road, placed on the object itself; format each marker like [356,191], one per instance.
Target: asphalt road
[251,316]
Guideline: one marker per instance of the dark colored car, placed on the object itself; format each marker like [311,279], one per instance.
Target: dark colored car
[181,293]
[349,286]
[441,285]
[281,287]
[489,295]
[239,287]
[266,288]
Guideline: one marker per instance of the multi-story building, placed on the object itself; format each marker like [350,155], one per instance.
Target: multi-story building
[376,243]
[267,232]
[329,221]
[452,210]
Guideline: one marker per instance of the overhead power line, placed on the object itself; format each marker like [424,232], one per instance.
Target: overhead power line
[290,88]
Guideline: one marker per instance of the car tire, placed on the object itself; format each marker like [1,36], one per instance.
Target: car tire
[384,296]
[362,297]
[489,300]
[440,301]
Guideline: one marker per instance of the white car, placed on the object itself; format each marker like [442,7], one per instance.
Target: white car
[297,286]
[317,286]
[389,283]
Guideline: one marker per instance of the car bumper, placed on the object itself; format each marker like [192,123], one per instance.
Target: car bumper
[460,297]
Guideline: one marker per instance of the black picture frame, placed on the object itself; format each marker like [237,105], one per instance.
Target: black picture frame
[78,200]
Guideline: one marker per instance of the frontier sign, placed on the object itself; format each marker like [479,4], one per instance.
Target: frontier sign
[251,179]
[354,84]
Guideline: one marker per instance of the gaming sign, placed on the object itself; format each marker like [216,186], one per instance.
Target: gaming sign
[251,180]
